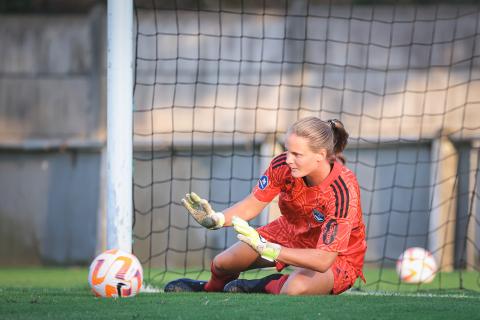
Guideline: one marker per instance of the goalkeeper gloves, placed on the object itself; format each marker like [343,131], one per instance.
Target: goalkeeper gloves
[202,212]
[267,250]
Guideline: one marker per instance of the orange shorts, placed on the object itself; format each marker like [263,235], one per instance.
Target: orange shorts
[344,275]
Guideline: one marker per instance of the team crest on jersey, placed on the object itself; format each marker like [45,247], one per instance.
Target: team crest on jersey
[318,215]
[263,182]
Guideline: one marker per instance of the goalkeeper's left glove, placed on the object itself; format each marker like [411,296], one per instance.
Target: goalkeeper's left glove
[267,250]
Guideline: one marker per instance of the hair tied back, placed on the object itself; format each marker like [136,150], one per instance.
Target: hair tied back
[332,123]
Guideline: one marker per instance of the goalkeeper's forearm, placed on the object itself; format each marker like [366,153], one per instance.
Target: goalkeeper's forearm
[314,259]
[246,209]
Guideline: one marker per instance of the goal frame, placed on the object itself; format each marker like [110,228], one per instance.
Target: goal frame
[119,124]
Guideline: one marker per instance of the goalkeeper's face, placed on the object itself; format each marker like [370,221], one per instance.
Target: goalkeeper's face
[300,157]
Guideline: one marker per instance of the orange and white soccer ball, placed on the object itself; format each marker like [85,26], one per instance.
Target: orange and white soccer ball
[115,273]
[416,265]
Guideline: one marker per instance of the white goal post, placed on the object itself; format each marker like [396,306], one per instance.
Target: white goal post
[119,124]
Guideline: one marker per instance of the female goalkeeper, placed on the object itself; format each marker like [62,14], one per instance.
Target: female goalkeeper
[320,231]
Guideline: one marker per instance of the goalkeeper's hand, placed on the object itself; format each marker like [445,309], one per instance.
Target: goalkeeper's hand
[202,212]
[250,236]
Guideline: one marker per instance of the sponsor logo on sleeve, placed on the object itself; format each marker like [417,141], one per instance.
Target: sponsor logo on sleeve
[263,182]
[330,232]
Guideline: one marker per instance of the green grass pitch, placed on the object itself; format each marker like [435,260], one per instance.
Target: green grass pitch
[54,293]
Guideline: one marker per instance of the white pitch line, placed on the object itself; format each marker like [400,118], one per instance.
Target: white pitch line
[416,295]
[150,289]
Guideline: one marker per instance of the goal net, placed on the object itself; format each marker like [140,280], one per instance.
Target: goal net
[218,82]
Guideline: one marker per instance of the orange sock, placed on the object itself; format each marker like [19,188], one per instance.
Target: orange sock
[275,286]
[217,281]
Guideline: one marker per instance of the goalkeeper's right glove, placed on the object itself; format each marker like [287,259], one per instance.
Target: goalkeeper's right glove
[202,212]
[267,250]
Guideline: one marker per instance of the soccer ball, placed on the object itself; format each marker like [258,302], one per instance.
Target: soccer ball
[416,265]
[115,273]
